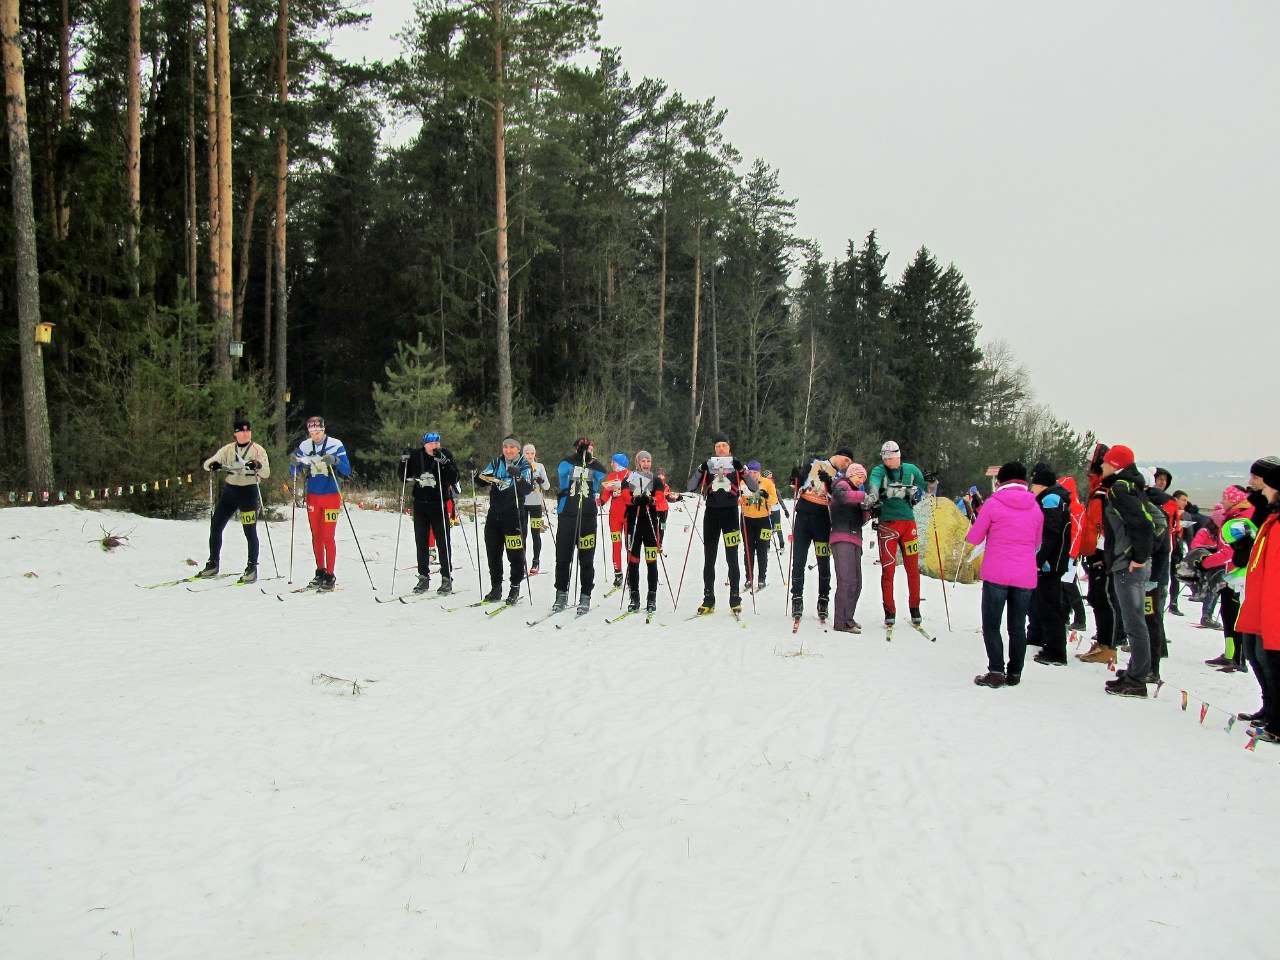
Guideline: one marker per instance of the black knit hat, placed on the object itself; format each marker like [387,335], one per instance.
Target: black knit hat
[1013,470]
[1262,464]
[843,452]
[1042,475]
[1271,476]
[241,424]
[720,438]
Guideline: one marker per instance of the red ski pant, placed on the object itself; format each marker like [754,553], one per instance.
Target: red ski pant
[895,534]
[617,531]
[322,514]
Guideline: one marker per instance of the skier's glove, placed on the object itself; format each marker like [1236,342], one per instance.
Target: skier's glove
[215,466]
[330,459]
[254,465]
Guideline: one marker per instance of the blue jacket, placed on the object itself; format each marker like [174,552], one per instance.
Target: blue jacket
[582,500]
[319,476]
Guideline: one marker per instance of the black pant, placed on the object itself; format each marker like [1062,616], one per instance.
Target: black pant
[811,527]
[1072,602]
[428,519]
[502,532]
[576,532]
[759,541]
[1175,585]
[532,521]
[235,500]
[1104,617]
[1273,691]
[717,523]
[642,544]
[1230,607]
[1051,616]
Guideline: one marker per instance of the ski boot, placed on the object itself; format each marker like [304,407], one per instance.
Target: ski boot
[760,584]
[889,617]
[823,603]
[250,574]
[318,580]
[916,619]
[423,585]
[651,602]
[210,570]
[584,604]
[797,607]
[533,568]
[494,595]
[708,606]
[562,601]
[513,595]
[329,583]
[617,578]
[633,601]
[445,588]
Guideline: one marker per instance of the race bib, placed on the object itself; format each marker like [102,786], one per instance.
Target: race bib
[248,517]
[821,548]
[587,542]
[331,516]
[766,533]
[616,536]
[911,548]
[650,554]
[1148,605]
[535,523]
[732,538]
[515,542]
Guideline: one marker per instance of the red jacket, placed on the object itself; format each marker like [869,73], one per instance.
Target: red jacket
[1260,612]
[621,499]
[1077,517]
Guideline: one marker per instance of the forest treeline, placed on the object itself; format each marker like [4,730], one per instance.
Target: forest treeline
[559,249]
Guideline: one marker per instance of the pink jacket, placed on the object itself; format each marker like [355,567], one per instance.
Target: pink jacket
[1012,524]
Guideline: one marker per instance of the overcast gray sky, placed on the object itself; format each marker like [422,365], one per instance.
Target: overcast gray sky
[1103,173]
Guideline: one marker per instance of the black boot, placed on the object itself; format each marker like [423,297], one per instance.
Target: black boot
[889,617]
[446,587]
[797,607]
[915,616]
[617,579]
[651,602]
[633,602]
[562,601]
[250,574]
[584,604]
[495,594]
[513,595]
[424,584]
[318,579]
[822,608]
[210,570]
[328,583]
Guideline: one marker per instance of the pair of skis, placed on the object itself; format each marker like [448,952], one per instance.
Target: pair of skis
[918,627]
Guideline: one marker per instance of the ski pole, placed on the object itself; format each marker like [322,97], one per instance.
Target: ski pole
[293,523]
[689,545]
[446,543]
[631,549]
[942,574]
[261,510]
[661,559]
[742,532]
[475,519]
[462,531]
[395,559]
[343,500]
[791,538]
[692,521]
[210,495]
[524,554]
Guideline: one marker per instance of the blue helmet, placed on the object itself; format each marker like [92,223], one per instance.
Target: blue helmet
[622,459]
[431,438]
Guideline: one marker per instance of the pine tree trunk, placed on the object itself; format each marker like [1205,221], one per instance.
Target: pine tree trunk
[268,291]
[211,147]
[133,142]
[223,300]
[503,264]
[63,218]
[697,320]
[35,407]
[193,241]
[282,182]
[715,356]
[662,293]
[246,238]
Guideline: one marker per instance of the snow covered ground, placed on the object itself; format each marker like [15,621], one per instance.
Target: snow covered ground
[173,783]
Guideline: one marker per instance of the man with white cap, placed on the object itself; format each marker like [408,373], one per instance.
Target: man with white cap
[896,487]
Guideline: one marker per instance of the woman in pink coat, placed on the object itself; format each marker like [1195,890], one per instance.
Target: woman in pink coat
[1012,524]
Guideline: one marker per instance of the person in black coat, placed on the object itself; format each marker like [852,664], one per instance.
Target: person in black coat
[1052,560]
[434,474]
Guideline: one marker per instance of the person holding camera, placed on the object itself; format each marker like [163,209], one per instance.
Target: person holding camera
[243,463]
[896,487]
[434,473]
[318,459]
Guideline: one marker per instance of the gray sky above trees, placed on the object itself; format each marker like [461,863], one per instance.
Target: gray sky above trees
[1102,173]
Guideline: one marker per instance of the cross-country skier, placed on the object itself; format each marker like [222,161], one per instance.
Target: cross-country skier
[614,492]
[579,475]
[244,463]
[757,527]
[531,514]
[508,477]
[720,479]
[896,486]
[317,458]
[434,473]
[811,524]
[642,527]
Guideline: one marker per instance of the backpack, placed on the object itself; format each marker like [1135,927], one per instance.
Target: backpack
[1159,520]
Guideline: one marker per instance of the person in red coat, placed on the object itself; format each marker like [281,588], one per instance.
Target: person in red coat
[615,492]
[1260,612]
